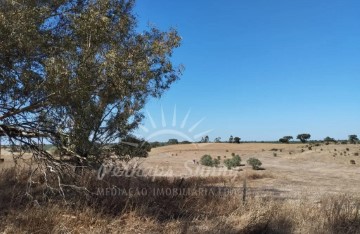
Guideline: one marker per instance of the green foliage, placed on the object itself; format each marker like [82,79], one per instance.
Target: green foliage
[329,139]
[173,141]
[285,139]
[235,161]
[255,163]
[80,69]
[205,139]
[353,139]
[216,162]
[207,160]
[237,140]
[130,147]
[303,137]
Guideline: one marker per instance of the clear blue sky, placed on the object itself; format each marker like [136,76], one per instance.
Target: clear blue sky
[261,69]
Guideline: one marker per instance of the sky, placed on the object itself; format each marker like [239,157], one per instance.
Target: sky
[258,69]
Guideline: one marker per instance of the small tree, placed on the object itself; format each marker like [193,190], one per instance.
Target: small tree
[231,139]
[303,137]
[173,142]
[237,140]
[329,139]
[353,139]
[285,139]
[217,140]
[255,163]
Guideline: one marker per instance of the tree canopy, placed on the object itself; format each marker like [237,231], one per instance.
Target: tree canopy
[303,137]
[353,139]
[79,71]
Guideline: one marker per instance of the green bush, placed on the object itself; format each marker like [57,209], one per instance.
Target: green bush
[206,160]
[216,162]
[235,161]
[229,163]
[255,163]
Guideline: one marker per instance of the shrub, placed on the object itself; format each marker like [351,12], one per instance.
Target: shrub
[228,163]
[216,162]
[235,161]
[352,162]
[356,154]
[255,163]
[275,154]
[206,160]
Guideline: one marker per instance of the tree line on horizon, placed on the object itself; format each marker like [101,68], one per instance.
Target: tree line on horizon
[302,138]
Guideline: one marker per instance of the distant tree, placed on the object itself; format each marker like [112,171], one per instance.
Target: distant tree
[205,139]
[173,142]
[285,139]
[155,144]
[303,137]
[329,139]
[185,142]
[231,139]
[353,139]
[237,140]
[217,140]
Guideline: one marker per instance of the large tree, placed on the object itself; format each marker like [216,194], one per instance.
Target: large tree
[79,72]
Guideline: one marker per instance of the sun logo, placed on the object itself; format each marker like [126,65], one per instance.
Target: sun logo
[174,128]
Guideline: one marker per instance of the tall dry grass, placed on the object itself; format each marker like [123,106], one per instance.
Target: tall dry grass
[45,211]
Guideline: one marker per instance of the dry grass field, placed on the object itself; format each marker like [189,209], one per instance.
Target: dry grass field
[294,171]
[300,191]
